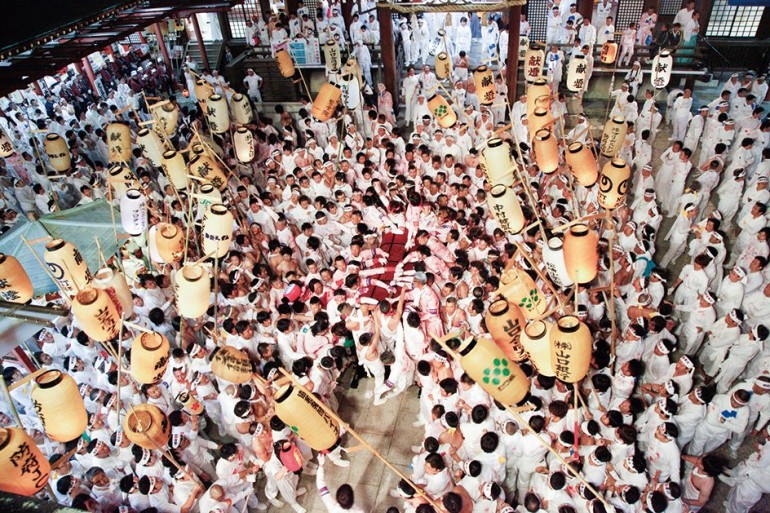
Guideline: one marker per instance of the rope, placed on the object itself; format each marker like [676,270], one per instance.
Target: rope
[452,6]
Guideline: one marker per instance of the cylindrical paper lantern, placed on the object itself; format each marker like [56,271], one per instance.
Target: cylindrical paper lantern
[231,365]
[133,212]
[121,178]
[176,169]
[190,403]
[537,343]
[296,407]
[609,52]
[326,102]
[613,136]
[6,146]
[504,324]
[217,115]
[207,195]
[518,288]
[285,64]
[537,91]
[67,266]
[332,55]
[147,426]
[497,162]
[114,283]
[577,71]
[192,291]
[24,470]
[443,66]
[59,406]
[553,258]
[168,117]
[202,91]
[152,247]
[243,141]
[582,163]
[151,145]
[58,152]
[217,231]
[149,357]
[240,109]
[541,118]
[350,88]
[533,64]
[209,169]
[546,151]
[97,314]
[119,142]
[15,285]
[581,253]
[613,183]
[442,111]
[570,349]
[488,366]
[506,208]
[661,69]
[484,80]
[169,242]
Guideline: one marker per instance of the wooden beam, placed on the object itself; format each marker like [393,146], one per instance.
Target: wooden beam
[162,46]
[388,49]
[512,67]
[199,38]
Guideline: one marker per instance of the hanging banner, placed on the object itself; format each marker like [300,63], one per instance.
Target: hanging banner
[305,52]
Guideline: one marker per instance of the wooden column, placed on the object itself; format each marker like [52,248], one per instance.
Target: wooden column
[586,10]
[704,8]
[763,32]
[162,46]
[388,48]
[224,26]
[347,12]
[142,39]
[199,38]
[512,76]
[264,7]
[292,6]
[90,75]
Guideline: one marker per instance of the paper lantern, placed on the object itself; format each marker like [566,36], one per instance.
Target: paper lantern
[169,242]
[231,365]
[240,109]
[553,258]
[296,407]
[243,141]
[147,426]
[570,349]
[504,324]
[541,119]
[613,183]
[661,69]
[613,136]
[15,285]
[519,289]
[538,93]
[207,195]
[149,357]
[537,343]
[133,212]
[332,55]
[175,169]
[6,146]
[506,208]
[577,71]
[114,283]
[285,64]
[96,313]
[484,80]
[121,178]
[168,117]
[609,52]
[192,291]
[57,402]
[488,366]
[581,253]
[119,142]
[202,91]
[326,102]
[497,163]
[217,114]
[67,266]
[58,152]
[24,470]
[439,41]
[190,403]
[582,164]
[350,88]
[209,169]
[217,231]
[546,151]
[442,111]
[151,146]
[523,47]
[443,66]
[533,64]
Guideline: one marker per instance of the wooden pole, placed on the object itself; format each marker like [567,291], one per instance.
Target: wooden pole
[199,38]
[512,64]
[388,49]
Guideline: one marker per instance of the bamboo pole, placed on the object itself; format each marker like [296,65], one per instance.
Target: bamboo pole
[539,273]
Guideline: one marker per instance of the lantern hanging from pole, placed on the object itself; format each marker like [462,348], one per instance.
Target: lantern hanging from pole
[546,151]
[518,288]
[297,408]
[58,152]
[537,343]
[613,136]
[286,65]
[97,314]
[577,73]
[207,195]
[332,55]
[149,357]
[541,119]
[67,266]
[582,164]
[152,247]
[534,58]
[169,242]
[484,80]
[497,162]
[192,290]
[217,231]
[119,142]
[121,178]
[571,345]
[168,118]
[114,283]
[147,426]
[243,141]
[523,47]
[350,89]
[488,366]
[538,91]
[553,258]
[581,253]
[57,402]
[240,108]
[609,52]
[217,114]
[133,212]
[151,145]
[439,41]
[15,285]
[326,102]
[209,169]
[6,146]
[442,111]
[661,69]
[504,323]
[175,169]
[506,208]
[202,91]
[190,403]
[443,66]
[231,365]
[613,183]
[24,470]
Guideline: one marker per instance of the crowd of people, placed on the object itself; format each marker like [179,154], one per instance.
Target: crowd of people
[676,398]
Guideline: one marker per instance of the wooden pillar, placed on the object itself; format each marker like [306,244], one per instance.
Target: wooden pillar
[162,46]
[264,7]
[704,8]
[142,39]
[512,76]
[224,26]
[37,88]
[388,48]
[347,12]
[90,75]
[199,38]
[763,31]
[586,10]
[654,4]
[292,6]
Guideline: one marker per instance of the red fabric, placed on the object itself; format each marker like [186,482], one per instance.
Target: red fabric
[395,245]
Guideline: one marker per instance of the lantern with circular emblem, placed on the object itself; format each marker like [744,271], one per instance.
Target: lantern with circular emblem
[57,402]
[519,289]
[613,184]
[581,253]
[24,470]
[147,426]
[67,266]
[571,344]
[504,323]
[15,285]
[442,111]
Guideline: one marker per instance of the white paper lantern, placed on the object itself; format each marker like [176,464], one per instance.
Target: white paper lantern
[121,178]
[243,140]
[506,208]
[351,91]
[533,64]
[217,231]
[553,257]
[217,114]
[133,212]
[497,162]
[577,73]
[240,109]
[661,69]
[6,147]
[332,55]
[175,169]
[151,146]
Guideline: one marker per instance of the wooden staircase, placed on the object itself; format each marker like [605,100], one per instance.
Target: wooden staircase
[214,51]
